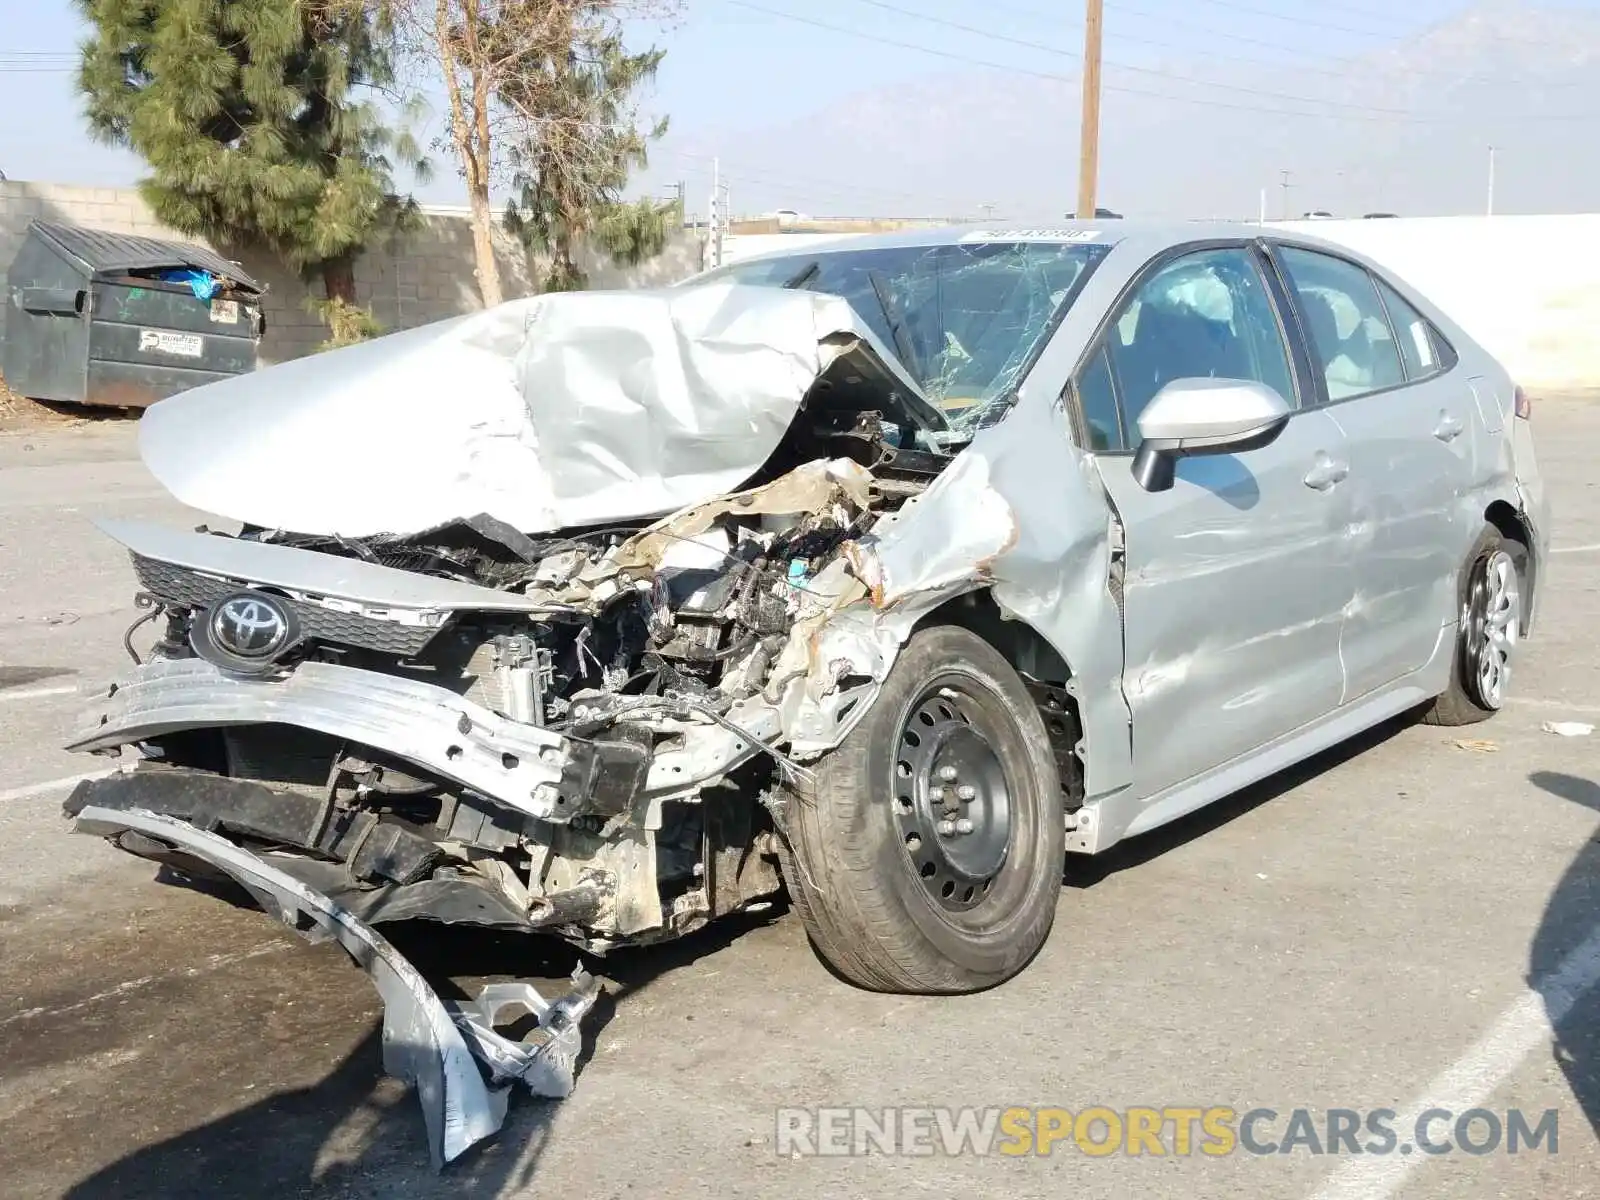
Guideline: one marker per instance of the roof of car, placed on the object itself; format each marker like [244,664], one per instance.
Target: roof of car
[1150,235]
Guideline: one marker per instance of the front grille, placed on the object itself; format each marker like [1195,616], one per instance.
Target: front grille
[181,586]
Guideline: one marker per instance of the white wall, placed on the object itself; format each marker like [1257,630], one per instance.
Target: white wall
[1528,288]
[747,245]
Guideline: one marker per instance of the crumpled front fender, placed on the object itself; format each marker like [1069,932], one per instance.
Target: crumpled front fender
[1020,513]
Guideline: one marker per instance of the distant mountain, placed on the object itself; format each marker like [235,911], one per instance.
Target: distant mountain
[1523,78]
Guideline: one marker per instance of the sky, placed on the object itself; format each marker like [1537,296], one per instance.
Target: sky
[880,107]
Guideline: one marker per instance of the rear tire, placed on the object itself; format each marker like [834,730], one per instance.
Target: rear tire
[1491,600]
[925,855]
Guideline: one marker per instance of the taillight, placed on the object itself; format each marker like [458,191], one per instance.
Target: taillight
[1522,406]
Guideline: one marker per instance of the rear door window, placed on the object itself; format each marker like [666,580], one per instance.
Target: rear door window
[1352,344]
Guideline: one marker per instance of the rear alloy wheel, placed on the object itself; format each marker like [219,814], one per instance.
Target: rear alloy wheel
[926,854]
[1491,625]
[1494,617]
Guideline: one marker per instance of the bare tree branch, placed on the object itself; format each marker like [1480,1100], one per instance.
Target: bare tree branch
[528,91]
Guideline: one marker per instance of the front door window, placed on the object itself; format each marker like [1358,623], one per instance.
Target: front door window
[1206,315]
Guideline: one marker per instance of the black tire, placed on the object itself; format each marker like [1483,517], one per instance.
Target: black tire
[1463,702]
[868,906]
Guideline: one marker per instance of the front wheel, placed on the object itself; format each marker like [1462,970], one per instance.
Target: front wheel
[1486,641]
[925,854]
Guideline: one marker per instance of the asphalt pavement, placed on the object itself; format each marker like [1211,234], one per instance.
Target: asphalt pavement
[1411,921]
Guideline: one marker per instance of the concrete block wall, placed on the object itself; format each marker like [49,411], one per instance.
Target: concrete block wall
[423,277]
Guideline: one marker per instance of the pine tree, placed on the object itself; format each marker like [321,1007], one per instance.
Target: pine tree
[581,146]
[251,116]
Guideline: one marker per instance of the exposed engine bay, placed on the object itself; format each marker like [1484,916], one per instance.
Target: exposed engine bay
[652,659]
[568,730]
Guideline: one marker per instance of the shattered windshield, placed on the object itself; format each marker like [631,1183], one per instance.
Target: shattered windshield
[965,319]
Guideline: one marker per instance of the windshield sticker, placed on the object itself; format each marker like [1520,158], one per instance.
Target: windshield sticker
[1032,235]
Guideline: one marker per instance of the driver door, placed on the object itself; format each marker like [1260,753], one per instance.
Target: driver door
[1236,579]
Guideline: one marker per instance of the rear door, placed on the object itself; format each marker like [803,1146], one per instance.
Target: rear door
[1235,579]
[1409,424]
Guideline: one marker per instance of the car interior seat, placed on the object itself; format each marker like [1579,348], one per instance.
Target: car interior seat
[1342,369]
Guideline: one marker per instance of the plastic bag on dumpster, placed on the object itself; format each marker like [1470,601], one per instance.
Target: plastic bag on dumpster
[203,284]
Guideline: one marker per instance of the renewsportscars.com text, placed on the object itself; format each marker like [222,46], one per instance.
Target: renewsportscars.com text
[1166,1131]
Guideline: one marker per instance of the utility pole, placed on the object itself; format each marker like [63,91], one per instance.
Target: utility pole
[1089,137]
[1285,185]
[1490,211]
[714,224]
[988,211]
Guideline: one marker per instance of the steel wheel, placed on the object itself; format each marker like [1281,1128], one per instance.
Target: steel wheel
[924,852]
[1493,620]
[952,801]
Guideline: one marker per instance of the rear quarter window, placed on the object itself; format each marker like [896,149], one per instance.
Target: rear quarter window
[1421,345]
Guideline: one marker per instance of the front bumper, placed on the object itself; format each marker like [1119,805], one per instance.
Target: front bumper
[434,1047]
[378,869]
[533,770]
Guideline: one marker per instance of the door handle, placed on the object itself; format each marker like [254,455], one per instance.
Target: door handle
[1327,473]
[1448,429]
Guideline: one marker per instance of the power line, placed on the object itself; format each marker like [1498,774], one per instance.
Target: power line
[1228,35]
[1248,91]
[1359,11]
[1331,71]
[1295,19]
[1384,18]
[37,62]
[1013,69]
[828,186]
[1123,10]
[872,37]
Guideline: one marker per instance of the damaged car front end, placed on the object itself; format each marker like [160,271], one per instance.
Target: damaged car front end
[550,618]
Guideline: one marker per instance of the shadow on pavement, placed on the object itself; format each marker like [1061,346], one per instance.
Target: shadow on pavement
[1570,918]
[11,677]
[358,1133]
[354,1133]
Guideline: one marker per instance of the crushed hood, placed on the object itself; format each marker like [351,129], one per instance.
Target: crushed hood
[546,413]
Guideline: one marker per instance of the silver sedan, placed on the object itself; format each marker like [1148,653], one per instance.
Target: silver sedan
[939,557]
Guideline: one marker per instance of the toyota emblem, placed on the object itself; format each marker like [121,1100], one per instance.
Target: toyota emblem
[250,626]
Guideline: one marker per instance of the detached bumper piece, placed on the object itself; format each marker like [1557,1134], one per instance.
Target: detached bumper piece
[433,1046]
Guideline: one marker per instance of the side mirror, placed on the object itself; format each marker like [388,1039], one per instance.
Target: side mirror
[1192,417]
